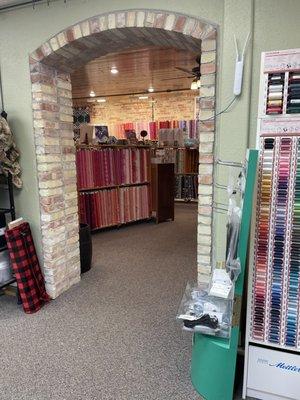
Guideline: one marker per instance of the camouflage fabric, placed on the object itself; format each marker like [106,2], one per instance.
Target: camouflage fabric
[9,154]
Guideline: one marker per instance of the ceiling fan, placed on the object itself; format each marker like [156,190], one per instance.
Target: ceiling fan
[193,73]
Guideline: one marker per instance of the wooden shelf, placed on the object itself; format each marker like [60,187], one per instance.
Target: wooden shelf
[275,346]
[118,146]
[114,186]
[122,224]
[186,173]
[177,148]
[187,200]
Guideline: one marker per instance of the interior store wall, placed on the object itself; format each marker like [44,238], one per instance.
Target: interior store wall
[121,109]
[274,26]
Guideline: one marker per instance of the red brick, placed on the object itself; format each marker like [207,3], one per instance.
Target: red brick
[205,179]
[206,159]
[159,21]
[179,23]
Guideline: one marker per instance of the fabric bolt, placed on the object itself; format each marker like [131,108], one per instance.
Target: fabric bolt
[111,207]
[103,177]
[26,268]
[152,127]
[103,167]
[81,116]
[186,187]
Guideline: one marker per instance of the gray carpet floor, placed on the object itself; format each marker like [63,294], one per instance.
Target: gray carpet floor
[114,335]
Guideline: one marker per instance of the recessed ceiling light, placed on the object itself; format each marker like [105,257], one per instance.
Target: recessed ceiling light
[151,89]
[143,97]
[91,100]
[114,70]
[92,93]
[101,100]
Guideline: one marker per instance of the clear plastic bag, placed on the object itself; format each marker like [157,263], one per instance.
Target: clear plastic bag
[200,312]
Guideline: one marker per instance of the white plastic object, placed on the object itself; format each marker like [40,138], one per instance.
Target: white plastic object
[238,77]
[239,67]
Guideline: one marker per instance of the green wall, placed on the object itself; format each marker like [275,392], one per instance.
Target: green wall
[22,31]
[276,27]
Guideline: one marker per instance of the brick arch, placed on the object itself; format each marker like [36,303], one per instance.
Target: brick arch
[50,67]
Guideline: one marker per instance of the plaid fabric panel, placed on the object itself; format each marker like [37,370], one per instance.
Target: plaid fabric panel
[26,267]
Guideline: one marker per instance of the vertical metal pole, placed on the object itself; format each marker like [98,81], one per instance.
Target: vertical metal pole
[11,197]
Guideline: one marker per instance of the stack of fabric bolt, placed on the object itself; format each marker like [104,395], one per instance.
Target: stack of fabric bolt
[275,94]
[293,101]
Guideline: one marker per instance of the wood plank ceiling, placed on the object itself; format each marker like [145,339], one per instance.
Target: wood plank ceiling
[138,70]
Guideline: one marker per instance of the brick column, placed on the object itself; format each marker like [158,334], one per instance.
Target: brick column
[206,158]
[52,113]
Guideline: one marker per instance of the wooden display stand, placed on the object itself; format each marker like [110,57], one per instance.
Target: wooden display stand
[162,183]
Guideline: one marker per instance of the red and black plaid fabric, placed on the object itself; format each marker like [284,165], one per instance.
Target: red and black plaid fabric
[26,267]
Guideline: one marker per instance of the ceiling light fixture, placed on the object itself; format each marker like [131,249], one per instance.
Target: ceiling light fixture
[92,93]
[151,89]
[114,70]
[143,97]
[194,85]
[101,100]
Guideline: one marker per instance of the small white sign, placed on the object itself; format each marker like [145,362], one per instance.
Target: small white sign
[282,126]
[274,373]
[281,61]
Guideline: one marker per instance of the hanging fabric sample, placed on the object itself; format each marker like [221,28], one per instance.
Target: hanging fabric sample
[186,187]
[9,154]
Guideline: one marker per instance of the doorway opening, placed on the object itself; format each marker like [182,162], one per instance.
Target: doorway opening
[51,66]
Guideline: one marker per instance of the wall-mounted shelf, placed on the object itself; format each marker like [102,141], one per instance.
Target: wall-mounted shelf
[113,186]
